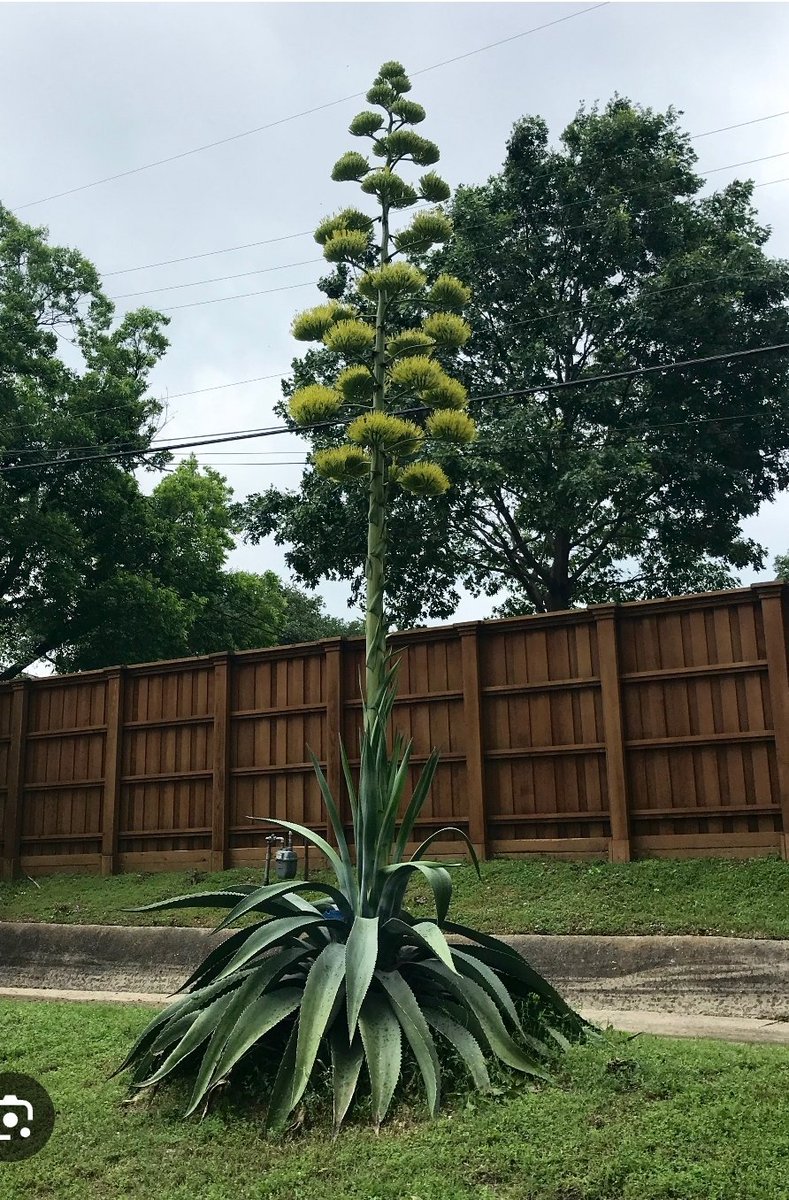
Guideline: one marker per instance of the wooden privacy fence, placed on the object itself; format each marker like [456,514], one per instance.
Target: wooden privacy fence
[653,728]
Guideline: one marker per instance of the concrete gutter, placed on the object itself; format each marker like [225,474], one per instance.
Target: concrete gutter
[664,1024]
[691,976]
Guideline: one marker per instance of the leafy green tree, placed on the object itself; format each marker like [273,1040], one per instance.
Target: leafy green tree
[64,532]
[781,567]
[345,979]
[180,600]
[588,258]
[305,619]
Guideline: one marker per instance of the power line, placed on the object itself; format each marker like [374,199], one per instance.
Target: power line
[741,124]
[94,412]
[217,387]
[659,293]
[310,232]
[240,296]
[461,231]
[297,116]
[585,381]
[175,287]
[169,262]
[637,371]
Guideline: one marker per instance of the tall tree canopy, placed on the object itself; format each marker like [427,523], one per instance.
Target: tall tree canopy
[594,256]
[64,532]
[92,570]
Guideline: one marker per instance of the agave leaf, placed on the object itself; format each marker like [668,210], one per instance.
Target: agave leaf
[346,1059]
[346,770]
[381,1038]
[399,874]
[270,934]
[320,991]
[260,898]
[213,962]
[281,1102]
[224,899]
[361,955]
[464,1042]
[398,773]
[199,1029]
[256,983]
[333,811]
[482,974]
[508,961]
[425,934]
[258,1018]
[490,982]
[561,1041]
[174,1031]
[436,834]
[409,1014]
[186,1004]
[320,843]
[415,805]
[489,1018]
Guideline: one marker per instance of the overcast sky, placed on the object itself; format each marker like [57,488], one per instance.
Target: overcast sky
[90,90]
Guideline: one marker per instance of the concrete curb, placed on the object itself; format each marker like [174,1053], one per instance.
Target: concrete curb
[693,976]
[679,1025]
[662,1024]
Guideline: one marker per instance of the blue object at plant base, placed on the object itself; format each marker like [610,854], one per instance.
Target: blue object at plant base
[333,913]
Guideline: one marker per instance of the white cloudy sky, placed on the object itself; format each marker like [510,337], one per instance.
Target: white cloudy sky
[90,90]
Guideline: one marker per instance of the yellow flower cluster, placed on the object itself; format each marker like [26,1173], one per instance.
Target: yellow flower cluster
[314,403]
[399,438]
[424,479]
[349,337]
[342,464]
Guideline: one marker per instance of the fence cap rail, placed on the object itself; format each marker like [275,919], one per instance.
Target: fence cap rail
[427,633]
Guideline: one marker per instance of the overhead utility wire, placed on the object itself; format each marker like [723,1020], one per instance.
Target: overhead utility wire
[274,431]
[309,232]
[561,312]
[304,113]
[460,231]
[175,287]
[657,294]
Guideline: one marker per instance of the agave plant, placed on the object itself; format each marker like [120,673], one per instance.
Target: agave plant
[353,978]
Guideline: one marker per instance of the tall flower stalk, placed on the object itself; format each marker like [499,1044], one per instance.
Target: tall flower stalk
[353,979]
[388,366]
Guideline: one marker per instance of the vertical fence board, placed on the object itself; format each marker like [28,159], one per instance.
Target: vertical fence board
[474,748]
[776,637]
[113,756]
[335,705]
[16,771]
[616,775]
[220,773]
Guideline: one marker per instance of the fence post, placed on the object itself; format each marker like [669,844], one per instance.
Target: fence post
[472,722]
[611,694]
[776,638]
[12,830]
[335,703]
[220,780]
[113,746]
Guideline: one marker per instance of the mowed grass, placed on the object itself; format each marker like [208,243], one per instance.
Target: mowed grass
[625,1119]
[738,898]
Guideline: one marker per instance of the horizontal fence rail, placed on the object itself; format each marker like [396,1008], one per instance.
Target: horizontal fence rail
[657,728]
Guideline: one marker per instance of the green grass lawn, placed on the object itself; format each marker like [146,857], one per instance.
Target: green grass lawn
[747,898]
[626,1119]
